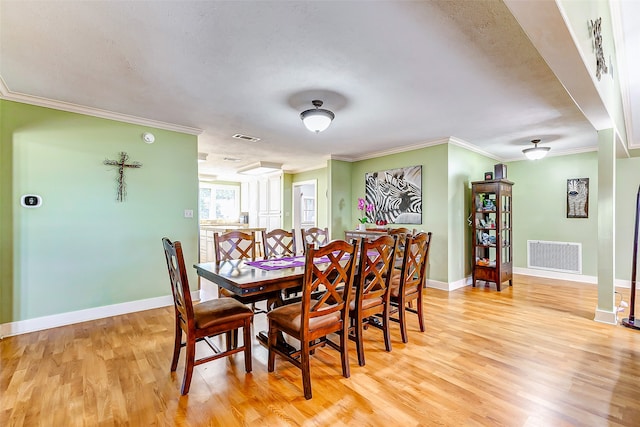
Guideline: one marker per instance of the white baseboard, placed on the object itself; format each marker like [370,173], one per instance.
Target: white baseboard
[445,286]
[555,275]
[63,319]
[619,283]
[609,317]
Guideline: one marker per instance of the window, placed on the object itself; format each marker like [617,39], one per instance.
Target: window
[219,201]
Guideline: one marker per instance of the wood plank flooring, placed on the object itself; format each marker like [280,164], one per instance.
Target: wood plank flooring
[530,355]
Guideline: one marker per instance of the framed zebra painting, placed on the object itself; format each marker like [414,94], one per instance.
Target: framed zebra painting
[396,195]
[578,198]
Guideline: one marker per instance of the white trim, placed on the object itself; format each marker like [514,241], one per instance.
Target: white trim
[608,317]
[466,145]
[446,286]
[69,318]
[7,94]
[436,284]
[555,275]
[622,283]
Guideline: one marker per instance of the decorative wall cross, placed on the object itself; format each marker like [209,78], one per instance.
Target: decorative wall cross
[121,164]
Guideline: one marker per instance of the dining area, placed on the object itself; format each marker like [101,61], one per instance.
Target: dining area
[328,294]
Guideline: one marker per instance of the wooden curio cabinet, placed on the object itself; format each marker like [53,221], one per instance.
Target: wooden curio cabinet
[492,233]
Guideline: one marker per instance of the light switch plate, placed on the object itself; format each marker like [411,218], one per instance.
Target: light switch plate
[188,213]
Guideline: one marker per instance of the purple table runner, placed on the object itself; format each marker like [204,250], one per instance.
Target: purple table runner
[277,264]
[289,262]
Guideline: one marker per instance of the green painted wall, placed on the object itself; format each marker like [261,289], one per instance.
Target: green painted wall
[82,248]
[627,183]
[434,197]
[340,199]
[540,205]
[6,217]
[322,189]
[464,167]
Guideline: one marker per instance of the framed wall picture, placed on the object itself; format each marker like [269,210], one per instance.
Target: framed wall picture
[396,195]
[578,198]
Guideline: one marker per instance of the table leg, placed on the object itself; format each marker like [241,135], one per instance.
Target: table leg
[263,337]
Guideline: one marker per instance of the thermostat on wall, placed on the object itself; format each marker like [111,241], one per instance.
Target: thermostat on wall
[31,201]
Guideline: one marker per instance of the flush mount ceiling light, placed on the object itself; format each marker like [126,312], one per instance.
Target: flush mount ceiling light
[202,157]
[260,168]
[318,119]
[536,152]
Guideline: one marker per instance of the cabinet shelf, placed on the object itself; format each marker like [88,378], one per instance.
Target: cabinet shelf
[493,262]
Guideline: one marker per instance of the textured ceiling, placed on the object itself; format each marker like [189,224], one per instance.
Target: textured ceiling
[396,74]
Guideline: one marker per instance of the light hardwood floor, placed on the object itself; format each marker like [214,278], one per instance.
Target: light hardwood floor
[530,355]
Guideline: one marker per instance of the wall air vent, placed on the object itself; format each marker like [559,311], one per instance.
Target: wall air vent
[565,257]
[246,137]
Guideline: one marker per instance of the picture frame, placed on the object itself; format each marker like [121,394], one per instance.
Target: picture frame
[578,198]
[396,195]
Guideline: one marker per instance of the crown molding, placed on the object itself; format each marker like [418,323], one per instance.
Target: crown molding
[388,152]
[468,146]
[9,95]
[450,140]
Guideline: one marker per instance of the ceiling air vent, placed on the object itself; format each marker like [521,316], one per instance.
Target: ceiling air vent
[246,137]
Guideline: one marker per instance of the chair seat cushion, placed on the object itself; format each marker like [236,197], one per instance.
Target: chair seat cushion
[290,317]
[217,311]
[366,303]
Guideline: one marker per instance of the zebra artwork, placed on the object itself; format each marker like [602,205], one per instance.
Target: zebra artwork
[396,195]
[578,198]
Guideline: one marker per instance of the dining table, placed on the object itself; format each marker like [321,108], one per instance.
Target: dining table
[255,281]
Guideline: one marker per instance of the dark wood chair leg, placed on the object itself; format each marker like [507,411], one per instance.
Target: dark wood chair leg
[304,366]
[359,341]
[247,345]
[385,329]
[189,363]
[273,332]
[176,346]
[403,320]
[229,339]
[420,313]
[344,351]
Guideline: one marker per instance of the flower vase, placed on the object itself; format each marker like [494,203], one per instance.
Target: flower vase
[362,227]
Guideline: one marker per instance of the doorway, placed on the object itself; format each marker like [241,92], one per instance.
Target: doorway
[305,206]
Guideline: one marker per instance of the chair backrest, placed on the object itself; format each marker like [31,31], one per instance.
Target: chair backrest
[313,236]
[278,243]
[414,262]
[401,233]
[328,276]
[374,269]
[234,245]
[179,281]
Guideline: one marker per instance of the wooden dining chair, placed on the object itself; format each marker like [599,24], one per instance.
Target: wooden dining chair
[234,245]
[372,290]
[311,320]
[314,236]
[201,321]
[407,283]
[401,233]
[278,243]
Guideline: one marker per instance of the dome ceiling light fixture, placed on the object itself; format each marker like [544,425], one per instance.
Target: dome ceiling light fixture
[318,119]
[536,152]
